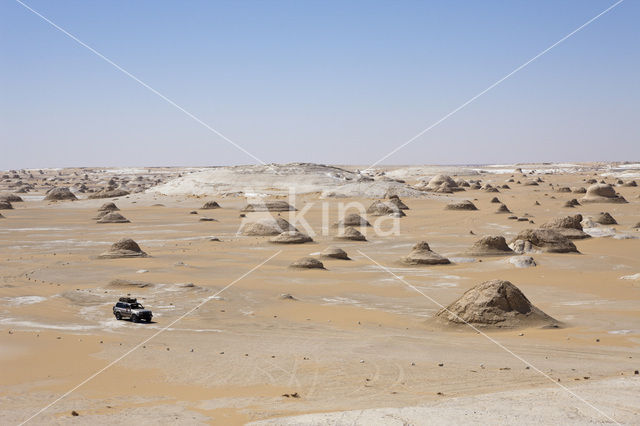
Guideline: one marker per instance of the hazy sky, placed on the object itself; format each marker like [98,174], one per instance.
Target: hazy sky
[324,81]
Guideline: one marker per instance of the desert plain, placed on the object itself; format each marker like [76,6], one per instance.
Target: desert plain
[235,339]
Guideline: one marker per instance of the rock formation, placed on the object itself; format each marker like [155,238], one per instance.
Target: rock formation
[461,205]
[291,237]
[123,248]
[421,254]
[490,246]
[494,303]
[333,252]
[307,263]
[546,240]
[267,226]
[59,194]
[602,193]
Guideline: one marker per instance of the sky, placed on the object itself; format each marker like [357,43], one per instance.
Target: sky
[335,82]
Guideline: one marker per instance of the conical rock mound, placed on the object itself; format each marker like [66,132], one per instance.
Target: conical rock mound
[266,227]
[269,206]
[490,246]
[59,194]
[352,219]
[569,226]
[421,254]
[385,208]
[461,205]
[291,237]
[113,217]
[351,234]
[333,252]
[494,303]
[123,248]
[307,263]
[604,218]
[210,205]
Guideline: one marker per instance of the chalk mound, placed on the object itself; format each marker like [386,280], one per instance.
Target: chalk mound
[1,216]
[266,227]
[60,194]
[119,283]
[12,198]
[291,237]
[571,203]
[113,217]
[496,200]
[108,207]
[269,206]
[209,205]
[421,254]
[442,184]
[546,240]
[307,263]
[385,208]
[497,304]
[109,192]
[569,226]
[579,190]
[522,261]
[280,179]
[503,209]
[462,205]
[286,296]
[5,205]
[489,188]
[602,193]
[490,246]
[631,183]
[352,219]
[604,218]
[351,234]
[123,248]
[333,252]
[105,209]
[394,199]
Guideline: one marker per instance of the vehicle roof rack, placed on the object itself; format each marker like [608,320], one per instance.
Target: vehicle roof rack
[128,299]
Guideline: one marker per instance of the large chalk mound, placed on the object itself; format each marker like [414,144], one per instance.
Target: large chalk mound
[602,193]
[123,248]
[542,240]
[421,254]
[265,227]
[497,304]
[569,226]
[59,194]
[490,246]
[281,179]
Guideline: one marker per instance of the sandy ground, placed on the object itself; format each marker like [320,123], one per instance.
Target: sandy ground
[356,338]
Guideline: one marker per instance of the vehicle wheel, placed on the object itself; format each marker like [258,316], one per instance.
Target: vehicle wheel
[118,316]
[134,318]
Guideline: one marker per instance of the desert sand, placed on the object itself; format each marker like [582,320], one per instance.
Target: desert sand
[351,343]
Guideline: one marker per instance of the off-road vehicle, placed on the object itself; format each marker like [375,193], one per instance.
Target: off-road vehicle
[128,307]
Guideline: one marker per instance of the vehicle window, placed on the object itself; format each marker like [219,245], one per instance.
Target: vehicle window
[118,305]
[137,306]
